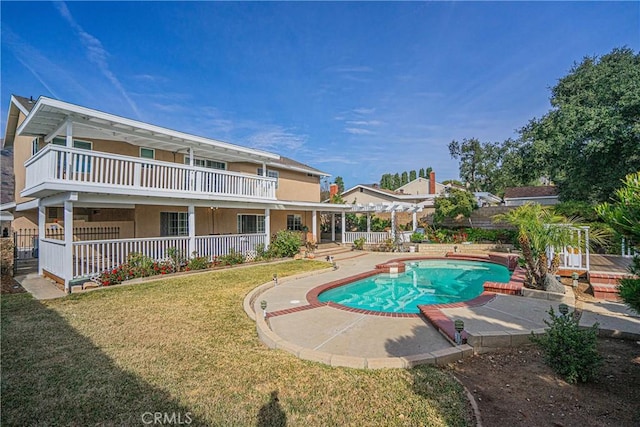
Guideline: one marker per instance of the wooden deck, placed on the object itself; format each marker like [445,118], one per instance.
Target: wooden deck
[609,263]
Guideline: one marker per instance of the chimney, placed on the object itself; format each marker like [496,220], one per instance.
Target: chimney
[374,185]
[333,190]
[432,183]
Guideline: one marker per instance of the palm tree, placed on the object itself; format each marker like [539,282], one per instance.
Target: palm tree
[538,229]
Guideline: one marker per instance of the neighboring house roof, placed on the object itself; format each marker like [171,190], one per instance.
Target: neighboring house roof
[8,179]
[18,104]
[530,192]
[25,104]
[288,163]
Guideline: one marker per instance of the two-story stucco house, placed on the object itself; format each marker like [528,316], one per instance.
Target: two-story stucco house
[75,166]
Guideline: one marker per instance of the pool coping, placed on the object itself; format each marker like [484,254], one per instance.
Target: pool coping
[398,265]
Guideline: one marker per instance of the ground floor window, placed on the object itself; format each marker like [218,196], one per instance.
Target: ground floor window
[294,222]
[174,224]
[250,224]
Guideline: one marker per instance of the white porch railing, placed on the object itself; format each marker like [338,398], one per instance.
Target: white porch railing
[369,237]
[573,257]
[50,254]
[213,246]
[95,256]
[376,236]
[57,164]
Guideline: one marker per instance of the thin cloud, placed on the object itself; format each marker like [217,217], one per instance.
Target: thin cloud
[359,131]
[277,139]
[96,53]
[364,111]
[364,122]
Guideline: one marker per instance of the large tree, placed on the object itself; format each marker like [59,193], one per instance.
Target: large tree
[340,183]
[454,204]
[590,139]
[479,162]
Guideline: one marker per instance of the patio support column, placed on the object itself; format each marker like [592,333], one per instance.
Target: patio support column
[393,225]
[343,219]
[267,228]
[586,244]
[368,222]
[314,226]
[192,180]
[191,212]
[415,220]
[42,218]
[67,259]
[333,226]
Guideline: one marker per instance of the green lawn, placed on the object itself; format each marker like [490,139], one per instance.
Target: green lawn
[185,347]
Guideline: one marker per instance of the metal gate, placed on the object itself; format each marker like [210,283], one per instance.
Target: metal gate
[25,251]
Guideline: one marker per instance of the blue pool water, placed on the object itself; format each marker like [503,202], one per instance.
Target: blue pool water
[423,282]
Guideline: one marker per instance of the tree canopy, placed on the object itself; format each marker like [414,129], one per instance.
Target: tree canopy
[452,205]
[586,143]
[590,139]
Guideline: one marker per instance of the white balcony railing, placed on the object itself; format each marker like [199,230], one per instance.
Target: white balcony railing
[57,164]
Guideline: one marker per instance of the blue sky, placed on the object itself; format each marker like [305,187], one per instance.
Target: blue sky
[354,89]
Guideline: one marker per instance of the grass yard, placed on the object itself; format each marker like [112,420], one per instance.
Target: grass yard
[184,348]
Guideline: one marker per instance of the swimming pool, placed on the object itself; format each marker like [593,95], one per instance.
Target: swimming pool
[423,282]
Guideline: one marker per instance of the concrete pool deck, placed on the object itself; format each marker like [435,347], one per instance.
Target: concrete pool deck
[339,337]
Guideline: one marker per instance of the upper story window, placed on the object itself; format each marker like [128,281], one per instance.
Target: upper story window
[82,162]
[34,146]
[147,153]
[205,163]
[270,174]
[77,143]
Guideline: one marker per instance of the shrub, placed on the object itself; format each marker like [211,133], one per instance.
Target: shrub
[176,257]
[359,243]
[261,252]
[570,351]
[629,290]
[198,263]
[232,258]
[416,238]
[6,261]
[285,244]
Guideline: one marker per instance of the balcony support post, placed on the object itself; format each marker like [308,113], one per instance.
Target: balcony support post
[191,211]
[68,245]
[267,228]
[314,226]
[343,219]
[333,226]
[69,144]
[42,218]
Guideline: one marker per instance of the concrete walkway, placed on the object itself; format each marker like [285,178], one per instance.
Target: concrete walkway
[39,287]
[342,338]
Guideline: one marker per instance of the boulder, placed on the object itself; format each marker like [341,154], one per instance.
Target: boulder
[551,284]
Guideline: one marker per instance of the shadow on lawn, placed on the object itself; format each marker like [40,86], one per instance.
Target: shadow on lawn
[430,382]
[52,375]
[271,413]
